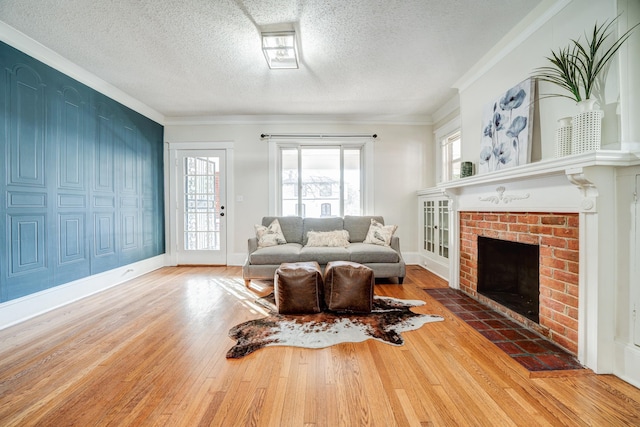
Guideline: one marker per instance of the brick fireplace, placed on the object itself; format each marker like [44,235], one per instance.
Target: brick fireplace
[578,211]
[557,235]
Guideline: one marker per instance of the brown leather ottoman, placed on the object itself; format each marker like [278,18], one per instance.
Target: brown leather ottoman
[348,287]
[298,288]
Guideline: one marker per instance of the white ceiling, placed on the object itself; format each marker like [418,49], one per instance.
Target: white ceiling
[202,58]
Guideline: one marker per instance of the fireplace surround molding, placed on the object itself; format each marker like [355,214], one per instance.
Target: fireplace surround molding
[583,184]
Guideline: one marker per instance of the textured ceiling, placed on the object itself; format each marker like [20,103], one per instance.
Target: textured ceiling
[203,58]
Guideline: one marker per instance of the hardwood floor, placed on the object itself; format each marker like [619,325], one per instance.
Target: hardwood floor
[152,352]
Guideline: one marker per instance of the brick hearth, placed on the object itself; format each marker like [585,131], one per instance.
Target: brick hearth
[557,234]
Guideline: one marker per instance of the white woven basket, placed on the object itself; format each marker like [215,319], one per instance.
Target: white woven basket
[586,131]
[563,137]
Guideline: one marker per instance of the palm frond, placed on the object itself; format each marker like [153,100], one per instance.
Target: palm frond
[577,66]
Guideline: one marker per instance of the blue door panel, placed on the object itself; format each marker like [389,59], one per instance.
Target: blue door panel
[70,135]
[67,201]
[26,199]
[129,230]
[28,245]
[130,160]
[76,167]
[27,128]
[104,256]
[148,231]
[104,226]
[103,161]
[72,239]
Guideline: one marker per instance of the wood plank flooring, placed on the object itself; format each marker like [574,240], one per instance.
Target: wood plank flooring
[151,352]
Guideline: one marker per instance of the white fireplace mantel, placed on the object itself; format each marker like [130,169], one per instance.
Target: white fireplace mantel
[544,168]
[584,184]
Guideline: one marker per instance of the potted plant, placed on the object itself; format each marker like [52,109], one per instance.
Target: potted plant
[577,66]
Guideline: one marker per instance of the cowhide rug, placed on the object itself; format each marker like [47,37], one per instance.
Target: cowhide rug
[390,317]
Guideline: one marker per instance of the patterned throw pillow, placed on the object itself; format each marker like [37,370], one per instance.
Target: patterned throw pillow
[270,236]
[379,234]
[336,238]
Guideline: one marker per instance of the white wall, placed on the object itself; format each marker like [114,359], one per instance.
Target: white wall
[401,152]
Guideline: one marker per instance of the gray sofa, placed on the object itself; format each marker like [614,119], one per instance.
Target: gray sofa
[385,261]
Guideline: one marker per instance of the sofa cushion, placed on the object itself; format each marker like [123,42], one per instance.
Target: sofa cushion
[291,227]
[335,238]
[323,255]
[269,236]
[366,253]
[380,234]
[320,224]
[358,226]
[289,252]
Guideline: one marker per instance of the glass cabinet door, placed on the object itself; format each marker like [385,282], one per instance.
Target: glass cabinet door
[429,231]
[443,231]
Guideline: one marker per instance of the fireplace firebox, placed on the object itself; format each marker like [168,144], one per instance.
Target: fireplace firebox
[508,273]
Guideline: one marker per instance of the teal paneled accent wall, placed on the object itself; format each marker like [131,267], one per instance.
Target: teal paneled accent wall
[81,180]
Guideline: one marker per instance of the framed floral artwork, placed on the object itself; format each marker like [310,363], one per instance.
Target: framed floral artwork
[507,129]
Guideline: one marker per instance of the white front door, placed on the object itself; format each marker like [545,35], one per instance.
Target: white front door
[201,207]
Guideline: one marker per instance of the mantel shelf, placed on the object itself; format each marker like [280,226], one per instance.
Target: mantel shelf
[612,158]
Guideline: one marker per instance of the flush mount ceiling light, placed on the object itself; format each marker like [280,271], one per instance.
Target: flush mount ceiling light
[280,49]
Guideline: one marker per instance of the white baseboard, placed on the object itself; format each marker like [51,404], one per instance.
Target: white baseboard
[411,258]
[236,259]
[435,267]
[21,309]
[627,363]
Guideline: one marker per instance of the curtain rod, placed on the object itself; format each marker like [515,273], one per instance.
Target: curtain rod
[314,136]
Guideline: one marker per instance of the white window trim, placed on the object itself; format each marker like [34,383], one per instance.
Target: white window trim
[367,170]
[445,131]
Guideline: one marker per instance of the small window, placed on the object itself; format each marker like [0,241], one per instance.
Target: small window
[451,149]
[325,209]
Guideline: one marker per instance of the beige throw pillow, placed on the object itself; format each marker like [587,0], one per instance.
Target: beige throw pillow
[379,234]
[336,238]
[270,236]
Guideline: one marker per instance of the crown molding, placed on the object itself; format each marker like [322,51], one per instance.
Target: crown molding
[514,38]
[406,120]
[31,47]
[449,107]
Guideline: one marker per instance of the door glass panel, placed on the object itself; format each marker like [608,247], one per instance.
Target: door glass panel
[430,226]
[202,203]
[443,223]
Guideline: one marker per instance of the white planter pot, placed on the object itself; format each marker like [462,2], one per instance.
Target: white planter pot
[586,129]
[563,137]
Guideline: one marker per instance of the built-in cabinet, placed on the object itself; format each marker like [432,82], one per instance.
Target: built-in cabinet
[434,217]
